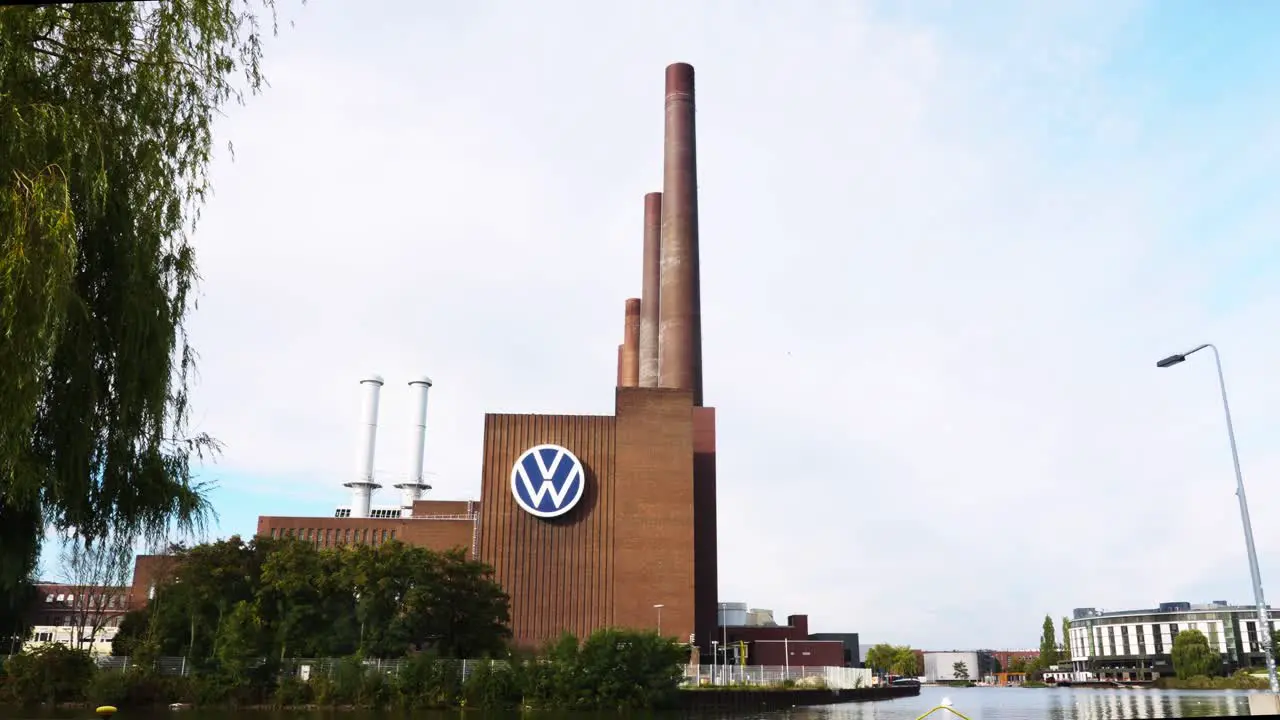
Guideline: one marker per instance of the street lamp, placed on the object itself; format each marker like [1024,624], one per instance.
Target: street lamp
[659,607]
[1264,623]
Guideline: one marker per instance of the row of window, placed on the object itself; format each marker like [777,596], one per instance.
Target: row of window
[328,537]
[99,601]
[69,621]
[1157,639]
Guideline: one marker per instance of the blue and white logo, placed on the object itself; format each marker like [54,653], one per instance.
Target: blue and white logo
[547,481]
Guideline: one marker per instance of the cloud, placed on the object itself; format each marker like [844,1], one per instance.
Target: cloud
[940,252]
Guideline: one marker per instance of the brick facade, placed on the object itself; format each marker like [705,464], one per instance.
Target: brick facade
[437,524]
[629,545]
[643,534]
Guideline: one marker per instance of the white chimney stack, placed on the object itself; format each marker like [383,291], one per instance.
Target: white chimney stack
[363,486]
[412,489]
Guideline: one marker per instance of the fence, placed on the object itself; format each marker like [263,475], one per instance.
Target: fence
[308,667]
[836,678]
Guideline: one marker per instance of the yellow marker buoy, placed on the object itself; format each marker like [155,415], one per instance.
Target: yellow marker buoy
[106,711]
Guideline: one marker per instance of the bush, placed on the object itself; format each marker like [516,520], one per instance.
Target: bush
[108,688]
[491,686]
[426,682]
[292,692]
[49,674]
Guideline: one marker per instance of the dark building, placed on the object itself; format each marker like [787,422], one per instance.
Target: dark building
[849,642]
[622,519]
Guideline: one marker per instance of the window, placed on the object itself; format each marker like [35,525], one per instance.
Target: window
[384,536]
[273,533]
[49,598]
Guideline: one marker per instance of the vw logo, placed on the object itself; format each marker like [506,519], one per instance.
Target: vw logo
[547,481]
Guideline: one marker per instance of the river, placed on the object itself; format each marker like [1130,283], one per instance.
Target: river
[976,703]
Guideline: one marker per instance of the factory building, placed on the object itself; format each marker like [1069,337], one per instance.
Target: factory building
[588,521]
[753,637]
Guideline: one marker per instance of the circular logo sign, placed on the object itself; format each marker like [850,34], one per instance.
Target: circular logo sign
[547,481]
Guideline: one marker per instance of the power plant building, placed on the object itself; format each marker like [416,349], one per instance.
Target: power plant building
[588,521]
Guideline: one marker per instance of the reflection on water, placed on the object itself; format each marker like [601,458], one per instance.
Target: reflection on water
[976,703]
[1047,703]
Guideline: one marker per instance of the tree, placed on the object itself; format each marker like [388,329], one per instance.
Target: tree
[107,112]
[1019,664]
[1066,638]
[1048,645]
[1192,656]
[880,657]
[98,574]
[960,670]
[906,662]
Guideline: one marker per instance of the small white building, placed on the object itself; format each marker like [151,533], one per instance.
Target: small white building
[941,666]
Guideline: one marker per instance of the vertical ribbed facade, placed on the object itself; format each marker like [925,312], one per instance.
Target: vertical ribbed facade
[559,573]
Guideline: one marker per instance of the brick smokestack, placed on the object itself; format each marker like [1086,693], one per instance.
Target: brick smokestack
[680,309]
[619,366]
[650,289]
[631,344]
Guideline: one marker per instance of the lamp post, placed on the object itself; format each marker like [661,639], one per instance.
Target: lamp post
[1264,623]
[659,607]
[715,662]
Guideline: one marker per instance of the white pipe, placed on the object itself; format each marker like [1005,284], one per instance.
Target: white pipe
[363,486]
[411,491]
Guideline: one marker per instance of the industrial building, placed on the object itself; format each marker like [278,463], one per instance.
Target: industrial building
[588,521]
[1138,644]
[753,637]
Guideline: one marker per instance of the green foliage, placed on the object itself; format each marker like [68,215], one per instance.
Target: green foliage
[492,686]
[1048,645]
[1240,680]
[51,673]
[1193,657]
[107,110]
[960,671]
[426,683]
[231,603]
[1066,637]
[894,659]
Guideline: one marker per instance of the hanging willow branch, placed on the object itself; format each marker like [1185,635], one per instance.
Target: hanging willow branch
[106,115]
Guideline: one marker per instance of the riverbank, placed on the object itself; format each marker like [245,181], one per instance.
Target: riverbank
[689,700]
[768,699]
[1239,681]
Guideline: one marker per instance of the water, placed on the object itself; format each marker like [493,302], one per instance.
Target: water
[976,703]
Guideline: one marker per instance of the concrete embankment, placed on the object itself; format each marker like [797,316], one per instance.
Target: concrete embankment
[780,699]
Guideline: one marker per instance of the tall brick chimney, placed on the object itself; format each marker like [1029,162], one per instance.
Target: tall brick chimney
[650,289]
[680,309]
[631,344]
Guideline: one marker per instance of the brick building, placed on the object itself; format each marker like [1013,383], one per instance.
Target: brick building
[789,644]
[624,520]
[77,616]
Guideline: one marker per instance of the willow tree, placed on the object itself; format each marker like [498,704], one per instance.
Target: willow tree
[106,116]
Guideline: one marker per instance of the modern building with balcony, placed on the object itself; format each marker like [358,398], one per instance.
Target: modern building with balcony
[1138,644]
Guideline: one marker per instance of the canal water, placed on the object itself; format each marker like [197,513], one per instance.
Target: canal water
[976,703]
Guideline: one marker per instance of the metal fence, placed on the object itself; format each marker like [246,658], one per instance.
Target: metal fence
[303,667]
[835,678]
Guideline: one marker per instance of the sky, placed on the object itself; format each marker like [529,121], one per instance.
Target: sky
[942,247]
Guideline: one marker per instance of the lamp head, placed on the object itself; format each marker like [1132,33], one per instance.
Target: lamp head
[1171,361]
